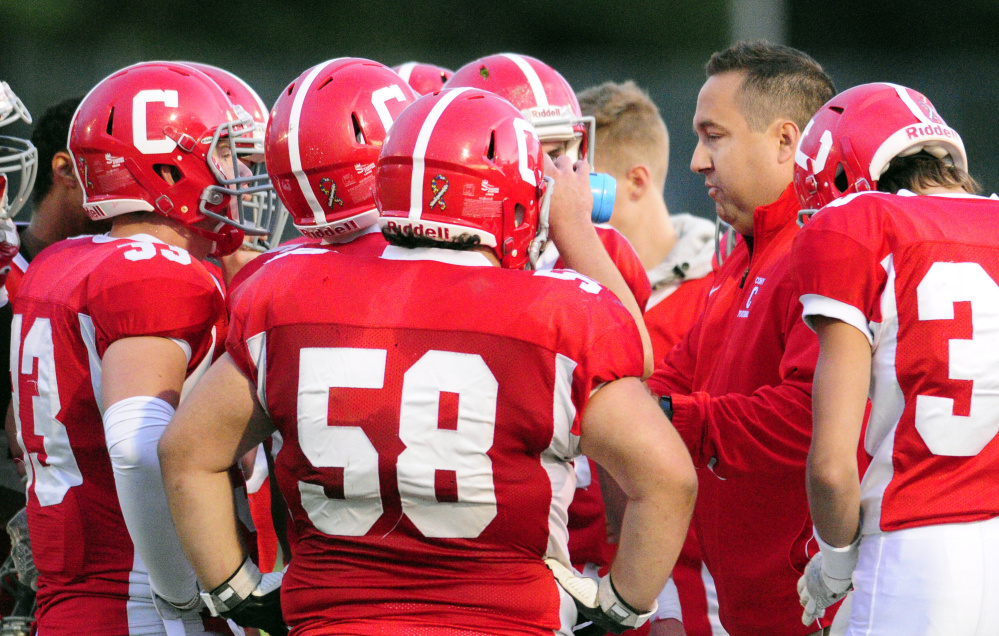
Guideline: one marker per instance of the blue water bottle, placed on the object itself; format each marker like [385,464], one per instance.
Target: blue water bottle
[604,189]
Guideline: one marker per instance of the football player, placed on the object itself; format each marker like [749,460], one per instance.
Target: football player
[547,100]
[422,77]
[426,471]
[107,332]
[676,251]
[899,277]
[261,205]
[322,144]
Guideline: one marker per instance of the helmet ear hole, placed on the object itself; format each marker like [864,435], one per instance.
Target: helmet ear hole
[840,180]
[358,133]
[168,172]
[110,120]
[491,152]
[518,215]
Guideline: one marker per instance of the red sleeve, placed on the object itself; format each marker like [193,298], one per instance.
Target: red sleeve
[243,324]
[675,373]
[627,262]
[764,432]
[163,296]
[604,347]
[836,257]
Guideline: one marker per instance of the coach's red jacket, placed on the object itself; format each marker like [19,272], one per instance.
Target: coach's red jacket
[741,387]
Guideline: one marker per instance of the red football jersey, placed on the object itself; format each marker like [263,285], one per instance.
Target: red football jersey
[623,255]
[18,267]
[430,410]
[370,243]
[918,276]
[77,298]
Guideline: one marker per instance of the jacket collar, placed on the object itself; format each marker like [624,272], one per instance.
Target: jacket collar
[770,219]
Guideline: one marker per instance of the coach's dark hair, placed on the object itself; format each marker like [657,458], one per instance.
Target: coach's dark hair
[780,82]
[402,238]
[923,170]
[49,136]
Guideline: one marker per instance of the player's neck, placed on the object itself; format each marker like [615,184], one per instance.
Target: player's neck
[166,230]
[935,189]
[647,226]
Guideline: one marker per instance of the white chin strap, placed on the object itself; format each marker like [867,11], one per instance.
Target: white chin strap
[541,237]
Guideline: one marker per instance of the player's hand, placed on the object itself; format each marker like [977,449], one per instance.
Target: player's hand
[20,549]
[597,601]
[572,199]
[817,590]
[250,599]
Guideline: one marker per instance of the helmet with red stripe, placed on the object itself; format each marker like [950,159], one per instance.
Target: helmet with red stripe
[423,78]
[159,137]
[852,139]
[323,140]
[465,166]
[18,157]
[541,94]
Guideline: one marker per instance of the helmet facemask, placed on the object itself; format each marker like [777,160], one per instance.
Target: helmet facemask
[251,199]
[18,157]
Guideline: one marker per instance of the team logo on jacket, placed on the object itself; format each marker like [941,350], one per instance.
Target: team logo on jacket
[744,312]
[439,186]
[328,187]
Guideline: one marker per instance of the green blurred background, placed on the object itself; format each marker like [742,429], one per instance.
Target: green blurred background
[51,49]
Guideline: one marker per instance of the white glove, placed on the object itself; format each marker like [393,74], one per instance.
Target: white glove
[20,549]
[827,578]
[598,601]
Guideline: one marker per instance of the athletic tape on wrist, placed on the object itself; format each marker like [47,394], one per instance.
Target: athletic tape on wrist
[234,590]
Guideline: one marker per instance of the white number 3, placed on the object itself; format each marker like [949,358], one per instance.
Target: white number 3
[976,359]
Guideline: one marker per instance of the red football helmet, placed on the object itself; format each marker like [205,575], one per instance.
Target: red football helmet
[465,162]
[851,140]
[425,79]
[541,94]
[258,197]
[155,119]
[323,140]
[17,156]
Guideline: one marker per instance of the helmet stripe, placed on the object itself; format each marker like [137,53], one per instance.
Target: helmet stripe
[406,70]
[908,101]
[420,151]
[294,152]
[540,98]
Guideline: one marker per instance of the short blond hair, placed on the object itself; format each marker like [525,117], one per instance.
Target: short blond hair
[630,130]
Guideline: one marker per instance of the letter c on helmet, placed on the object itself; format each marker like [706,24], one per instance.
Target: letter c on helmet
[142,142]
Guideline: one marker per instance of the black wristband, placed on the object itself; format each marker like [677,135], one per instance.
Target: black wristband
[666,404]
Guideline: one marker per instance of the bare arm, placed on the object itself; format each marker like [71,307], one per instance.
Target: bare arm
[578,243]
[219,422]
[625,432]
[839,398]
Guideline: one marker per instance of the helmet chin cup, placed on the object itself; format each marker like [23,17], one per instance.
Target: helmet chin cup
[541,237]
[225,237]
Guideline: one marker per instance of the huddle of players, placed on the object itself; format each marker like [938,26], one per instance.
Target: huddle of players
[442,400]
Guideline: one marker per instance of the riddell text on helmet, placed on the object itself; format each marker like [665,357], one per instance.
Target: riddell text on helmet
[416,229]
[330,231]
[915,132]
